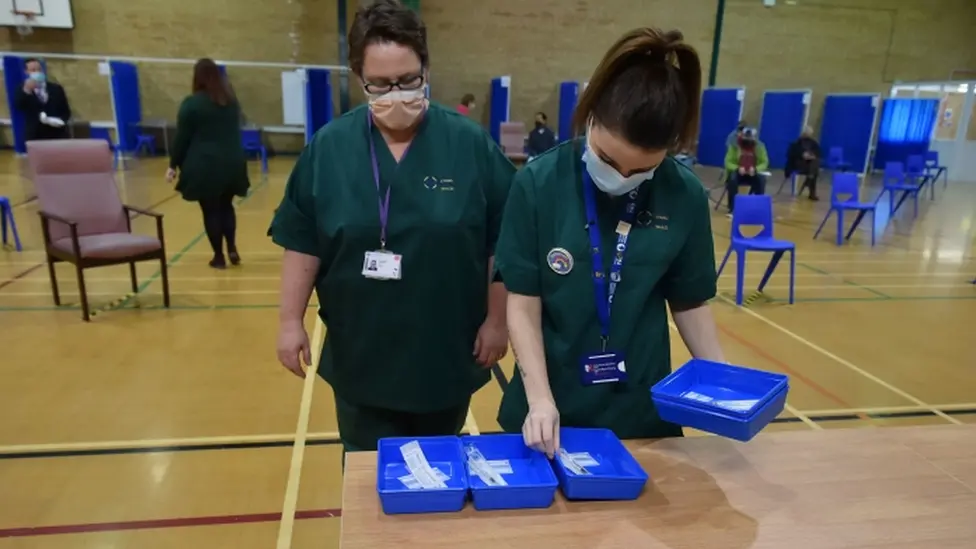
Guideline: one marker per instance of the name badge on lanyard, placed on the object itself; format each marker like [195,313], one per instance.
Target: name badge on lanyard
[608,365]
[380,264]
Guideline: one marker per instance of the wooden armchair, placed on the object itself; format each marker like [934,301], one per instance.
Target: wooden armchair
[82,216]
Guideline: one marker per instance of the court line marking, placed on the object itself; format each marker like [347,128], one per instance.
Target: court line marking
[842,361]
[159,443]
[470,425]
[796,413]
[287,524]
[891,409]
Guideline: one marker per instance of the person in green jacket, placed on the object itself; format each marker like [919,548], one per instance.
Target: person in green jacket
[746,163]
[209,155]
[600,235]
[392,213]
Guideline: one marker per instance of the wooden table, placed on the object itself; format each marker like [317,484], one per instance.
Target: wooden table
[882,488]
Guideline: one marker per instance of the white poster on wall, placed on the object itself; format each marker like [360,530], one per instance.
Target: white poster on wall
[293,97]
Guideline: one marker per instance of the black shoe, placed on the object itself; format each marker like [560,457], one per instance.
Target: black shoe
[235,258]
[218,262]
[815,198]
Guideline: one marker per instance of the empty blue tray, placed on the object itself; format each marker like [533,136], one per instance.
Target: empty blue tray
[721,388]
[729,401]
[444,454]
[531,483]
[615,474]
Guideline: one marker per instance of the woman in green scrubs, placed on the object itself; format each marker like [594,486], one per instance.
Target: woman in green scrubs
[599,234]
[392,213]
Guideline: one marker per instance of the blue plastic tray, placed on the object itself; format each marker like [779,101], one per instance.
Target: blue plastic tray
[444,454]
[723,424]
[531,484]
[617,476]
[720,388]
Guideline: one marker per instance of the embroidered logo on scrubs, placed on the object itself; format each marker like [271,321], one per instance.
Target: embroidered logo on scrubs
[560,261]
[432,183]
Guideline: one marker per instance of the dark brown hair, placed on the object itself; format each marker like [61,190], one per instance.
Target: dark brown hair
[647,90]
[207,79]
[386,21]
[467,99]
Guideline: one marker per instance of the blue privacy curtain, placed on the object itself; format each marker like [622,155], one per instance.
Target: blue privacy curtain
[13,80]
[906,128]
[126,102]
[720,113]
[783,116]
[318,101]
[568,96]
[848,122]
[499,105]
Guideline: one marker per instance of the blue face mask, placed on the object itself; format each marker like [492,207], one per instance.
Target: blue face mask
[608,179]
[38,77]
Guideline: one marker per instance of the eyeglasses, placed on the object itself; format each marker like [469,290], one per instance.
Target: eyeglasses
[406,83]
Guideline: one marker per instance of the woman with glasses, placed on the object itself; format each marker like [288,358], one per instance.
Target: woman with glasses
[391,214]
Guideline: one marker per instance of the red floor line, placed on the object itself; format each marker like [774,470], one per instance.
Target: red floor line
[161,523]
[787,369]
[33,268]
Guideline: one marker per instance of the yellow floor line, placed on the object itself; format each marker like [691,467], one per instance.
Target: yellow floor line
[160,443]
[470,425]
[287,524]
[843,362]
[891,409]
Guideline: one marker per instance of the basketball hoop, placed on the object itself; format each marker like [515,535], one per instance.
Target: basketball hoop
[25,22]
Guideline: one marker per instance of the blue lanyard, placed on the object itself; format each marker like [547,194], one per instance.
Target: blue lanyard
[604,292]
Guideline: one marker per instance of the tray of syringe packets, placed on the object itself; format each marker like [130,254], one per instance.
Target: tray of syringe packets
[440,474]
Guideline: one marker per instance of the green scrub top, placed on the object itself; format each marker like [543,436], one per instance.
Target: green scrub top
[403,344]
[669,257]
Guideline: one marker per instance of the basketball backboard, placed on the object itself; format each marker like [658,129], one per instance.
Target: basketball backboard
[48,14]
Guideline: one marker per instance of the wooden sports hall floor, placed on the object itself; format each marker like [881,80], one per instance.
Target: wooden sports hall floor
[174,429]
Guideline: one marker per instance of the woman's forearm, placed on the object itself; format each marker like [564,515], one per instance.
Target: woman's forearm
[525,332]
[697,328]
[298,273]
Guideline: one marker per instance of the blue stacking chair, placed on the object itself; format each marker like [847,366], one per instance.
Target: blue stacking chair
[251,140]
[935,170]
[896,181]
[918,173]
[756,210]
[845,197]
[7,221]
[835,160]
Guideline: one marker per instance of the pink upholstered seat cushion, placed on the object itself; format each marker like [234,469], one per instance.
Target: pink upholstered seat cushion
[111,245]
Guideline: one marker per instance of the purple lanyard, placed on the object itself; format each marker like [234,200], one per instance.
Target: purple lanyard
[382,199]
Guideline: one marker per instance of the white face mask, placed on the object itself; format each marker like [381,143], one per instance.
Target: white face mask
[607,178]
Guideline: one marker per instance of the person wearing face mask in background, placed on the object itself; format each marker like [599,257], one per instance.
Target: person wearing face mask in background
[746,162]
[391,214]
[542,138]
[600,235]
[44,104]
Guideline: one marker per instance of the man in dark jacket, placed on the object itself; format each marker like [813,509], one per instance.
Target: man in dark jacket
[803,158]
[541,138]
[44,104]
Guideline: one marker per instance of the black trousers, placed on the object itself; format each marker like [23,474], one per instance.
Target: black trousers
[757,185]
[811,169]
[220,222]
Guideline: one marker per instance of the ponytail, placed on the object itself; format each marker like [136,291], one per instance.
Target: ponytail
[647,90]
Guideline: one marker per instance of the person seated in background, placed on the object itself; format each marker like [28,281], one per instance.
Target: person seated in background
[803,158]
[733,137]
[466,105]
[746,162]
[542,138]
[44,104]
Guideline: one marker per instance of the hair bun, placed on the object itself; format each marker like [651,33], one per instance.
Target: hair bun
[673,37]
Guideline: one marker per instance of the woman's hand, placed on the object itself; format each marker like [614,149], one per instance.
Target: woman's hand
[541,428]
[491,344]
[170,175]
[292,344]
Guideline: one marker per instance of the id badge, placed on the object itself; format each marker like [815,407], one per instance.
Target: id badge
[606,367]
[381,265]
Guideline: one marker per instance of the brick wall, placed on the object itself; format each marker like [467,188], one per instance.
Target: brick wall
[826,45]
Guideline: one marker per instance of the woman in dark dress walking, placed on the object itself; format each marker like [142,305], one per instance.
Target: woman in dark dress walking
[209,156]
